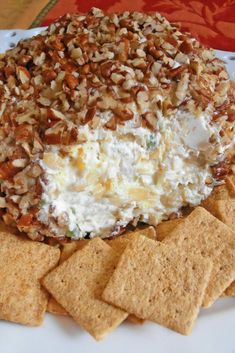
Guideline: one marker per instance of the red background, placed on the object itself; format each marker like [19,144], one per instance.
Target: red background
[212,22]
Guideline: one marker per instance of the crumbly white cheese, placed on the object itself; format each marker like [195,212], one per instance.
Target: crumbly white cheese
[118,175]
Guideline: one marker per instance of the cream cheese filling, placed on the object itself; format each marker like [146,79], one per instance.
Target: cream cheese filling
[115,176]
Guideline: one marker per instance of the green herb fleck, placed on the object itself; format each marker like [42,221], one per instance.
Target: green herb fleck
[42,203]
[74,233]
[151,142]
[70,234]
[73,210]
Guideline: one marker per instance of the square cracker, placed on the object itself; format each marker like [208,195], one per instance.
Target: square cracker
[23,263]
[161,283]
[230,183]
[68,249]
[202,233]
[165,227]
[135,320]
[224,210]
[77,284]
[148,232]
[222,192]
[230,291]
[118,244]
[55,308]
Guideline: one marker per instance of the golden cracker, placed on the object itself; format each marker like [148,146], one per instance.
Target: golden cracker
[222,192]
[164,228]
[68,249]
[230,183]
[55,308]
[118,244]
[219,193]
[23,263]
[230,291]
[159,282]
[135,320]
[77,284]
[202,233]
[148,232]
[224,210]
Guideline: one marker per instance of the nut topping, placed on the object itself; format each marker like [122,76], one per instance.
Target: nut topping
[22,74]
[106,71]
[123,114]
[71,81]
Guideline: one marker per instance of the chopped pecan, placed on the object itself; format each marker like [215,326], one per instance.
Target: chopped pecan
[111,124]
[106,68]
[91,111]
[231,115]
[24,132]
[49,75]
[8,170]
[186,47]
[177,71]
[23,74]
[123,114]
[71,81]
[150,119]
[25,59]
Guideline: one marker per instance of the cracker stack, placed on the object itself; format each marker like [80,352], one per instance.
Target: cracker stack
[100,283]
[77,284]
[159,283]
[117,243]
[221,204]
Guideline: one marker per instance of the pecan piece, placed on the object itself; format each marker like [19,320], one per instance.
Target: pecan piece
[25,59]
[7,170]
[111,124]
[25,220]
[24,132]
[105,68]
[23,74]
[186,47]
[49,75]
[91,111]
[150,120]
[71,81]
[231,115]
[177,71]
[124,48]
[9,70]
[123,114]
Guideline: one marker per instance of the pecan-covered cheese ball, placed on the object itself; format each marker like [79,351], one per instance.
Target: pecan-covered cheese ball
[106,119]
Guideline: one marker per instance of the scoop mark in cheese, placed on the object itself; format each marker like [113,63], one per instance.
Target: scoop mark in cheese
[131,172]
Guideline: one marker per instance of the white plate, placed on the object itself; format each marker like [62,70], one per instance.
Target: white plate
[213,333]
